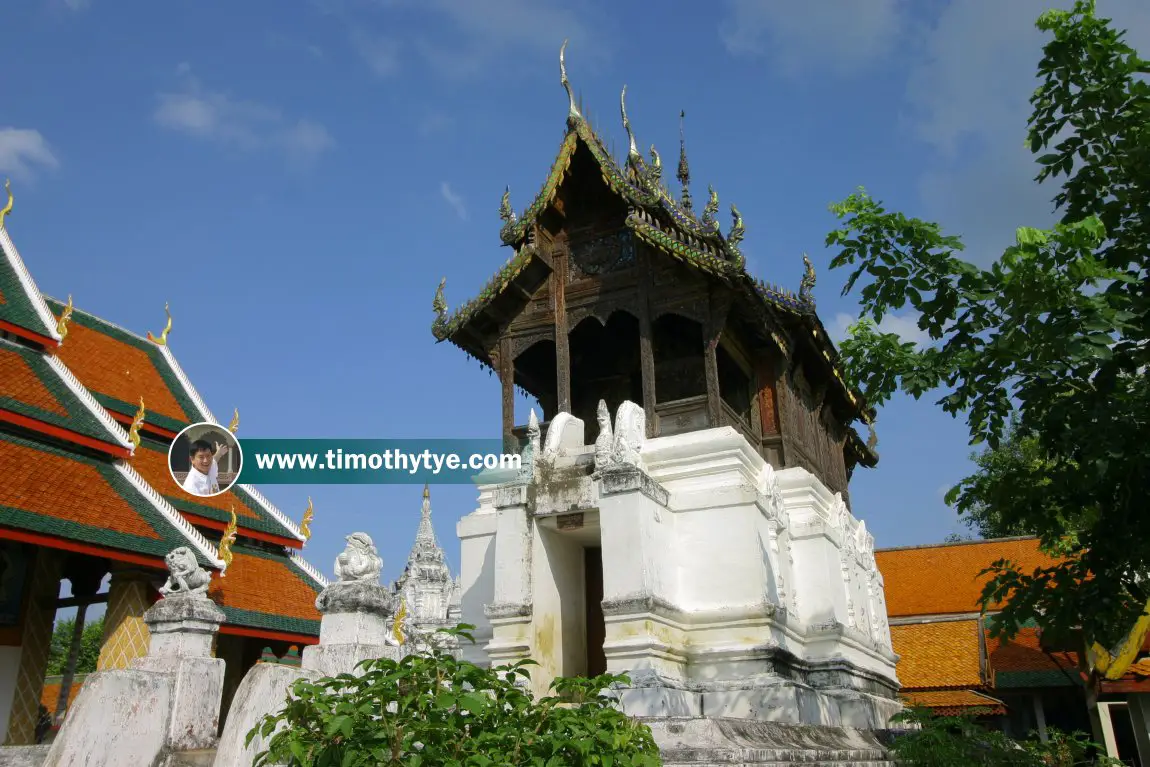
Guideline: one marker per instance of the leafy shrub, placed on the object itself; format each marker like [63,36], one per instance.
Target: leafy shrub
[432,710]
[960,741]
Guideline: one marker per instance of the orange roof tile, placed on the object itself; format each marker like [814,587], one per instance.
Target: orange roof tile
[939,580]
[22,384]
[942,654]
[950,702]
[265,590]
[1023,652]
[116,369]
[50,491]
[54,486]
[151,460]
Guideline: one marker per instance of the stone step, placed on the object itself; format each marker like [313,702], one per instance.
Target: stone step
[721,757]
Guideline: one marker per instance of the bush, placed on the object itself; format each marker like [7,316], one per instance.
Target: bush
[960,741]
[432,710]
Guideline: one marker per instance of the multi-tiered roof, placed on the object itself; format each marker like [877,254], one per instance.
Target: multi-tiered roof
[669,225]
[73,385]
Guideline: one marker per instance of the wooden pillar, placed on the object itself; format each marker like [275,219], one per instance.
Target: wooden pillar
[507,379]
[717,319]
[562,342]
[646,344]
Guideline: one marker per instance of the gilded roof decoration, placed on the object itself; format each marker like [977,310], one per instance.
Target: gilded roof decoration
[7,207]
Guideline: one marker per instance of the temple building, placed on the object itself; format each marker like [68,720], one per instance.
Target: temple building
[950,662]
[619,291]
[88,411]
[428,590]
[682,514]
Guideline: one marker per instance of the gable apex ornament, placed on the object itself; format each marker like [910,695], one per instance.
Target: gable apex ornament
[572,110]
[65,316]
[8,207]
[163,339]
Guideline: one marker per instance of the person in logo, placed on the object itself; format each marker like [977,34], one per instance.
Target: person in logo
[201,479]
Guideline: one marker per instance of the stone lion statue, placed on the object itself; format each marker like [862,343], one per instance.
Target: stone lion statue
[359,561]
[185,576]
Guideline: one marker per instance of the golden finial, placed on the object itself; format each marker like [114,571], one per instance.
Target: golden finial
[62,323]
[308,516]
[137,422]
[7,208]
[163,339]
[235,424]
[225,547]
[397,624]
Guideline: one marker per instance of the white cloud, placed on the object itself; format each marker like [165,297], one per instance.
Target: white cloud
[841,35]
[218,117]
[305,141]
[968,100]
[905,327]
[380,53]
[471,37]
[22,150]
[453,199]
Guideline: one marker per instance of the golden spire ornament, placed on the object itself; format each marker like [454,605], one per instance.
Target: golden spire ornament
[397,624]
[137,422]
[235,424]
[225,547]
[62,323]
[305,523]
[163,339]
[7,208]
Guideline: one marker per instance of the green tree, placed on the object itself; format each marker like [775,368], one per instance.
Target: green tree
[92,638]
[1018,457]
[1054,334]
[432,709]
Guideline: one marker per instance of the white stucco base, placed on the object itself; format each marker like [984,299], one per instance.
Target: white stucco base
[730,589]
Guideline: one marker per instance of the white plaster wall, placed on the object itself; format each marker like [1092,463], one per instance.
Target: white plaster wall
[559,631]
[720,557]
[9,667]
[476,533]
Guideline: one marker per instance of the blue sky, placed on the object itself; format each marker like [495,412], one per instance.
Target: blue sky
[294,178]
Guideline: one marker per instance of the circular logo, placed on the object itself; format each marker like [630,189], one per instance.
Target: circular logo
[205,459]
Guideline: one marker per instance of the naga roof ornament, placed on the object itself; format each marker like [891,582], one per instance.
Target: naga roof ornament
[633,155]
[506,214]
[711,209]
[572,110]
[8,207]
[738,231]
[808,283]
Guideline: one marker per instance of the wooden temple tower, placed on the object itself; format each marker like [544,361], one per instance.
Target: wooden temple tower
[619,291]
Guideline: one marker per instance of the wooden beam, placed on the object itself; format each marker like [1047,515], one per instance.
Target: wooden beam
[64,434]
[562,342]
[51,542]
[646,342]
[277,636]
[507,379]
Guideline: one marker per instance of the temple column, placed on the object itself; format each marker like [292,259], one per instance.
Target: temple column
[39,615]
[646,350]
[510,614]
[125,633]
[562,342]
[506,367]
